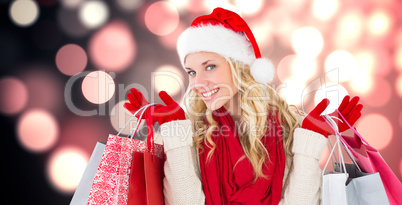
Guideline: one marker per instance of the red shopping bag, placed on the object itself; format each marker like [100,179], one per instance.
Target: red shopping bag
[111,182]
[371,161]
[146,180]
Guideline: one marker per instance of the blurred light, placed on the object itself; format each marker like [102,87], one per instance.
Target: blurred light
[362,81]
[13,95]
[304,68]
[24,13]
[113,47]
[65,168]
[71,3]
[398,85]
[325,9]
[379,23]
[284,70]
[161,18]
[249,7]
[380,93]
[46,34]
[119,116]
[340,66]
[349,29]
[307,41]
[293,6]
[168,78]
[295,66]
[262,33]
[170,40]
[398,57]
[70,23]
[382,61]
[292,90]
[197,6]
[93,13]
[71,59]
[98,87]
[130,5]
[282,23]
[38,130]
[335,94]
[376,130]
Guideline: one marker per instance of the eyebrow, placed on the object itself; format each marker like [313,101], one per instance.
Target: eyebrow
[204,63]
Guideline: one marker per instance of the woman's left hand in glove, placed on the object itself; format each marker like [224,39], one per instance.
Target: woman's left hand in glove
[351,110]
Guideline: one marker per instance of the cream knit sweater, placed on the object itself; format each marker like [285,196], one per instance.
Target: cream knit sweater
[183,185]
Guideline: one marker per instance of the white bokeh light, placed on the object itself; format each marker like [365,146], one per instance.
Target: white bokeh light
[24,13]
[340,66]
[335,94]
[249,7]
[307,41]
[65,168]
[93,14]
[325,9]
[168,78]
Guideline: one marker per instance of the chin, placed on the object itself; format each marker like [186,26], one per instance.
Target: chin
[214,106]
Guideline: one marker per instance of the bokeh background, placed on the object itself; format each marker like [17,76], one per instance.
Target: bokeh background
[66,66]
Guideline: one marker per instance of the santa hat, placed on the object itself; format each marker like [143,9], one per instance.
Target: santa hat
[227,34]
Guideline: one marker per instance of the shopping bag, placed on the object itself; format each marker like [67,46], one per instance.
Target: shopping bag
[146,180]
[81,194]
[363,188]
[111,182]
[371,161]
[333,187]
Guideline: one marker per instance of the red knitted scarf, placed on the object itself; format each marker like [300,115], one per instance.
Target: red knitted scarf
[225,182]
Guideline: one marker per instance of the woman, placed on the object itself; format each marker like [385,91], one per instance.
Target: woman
[238,141]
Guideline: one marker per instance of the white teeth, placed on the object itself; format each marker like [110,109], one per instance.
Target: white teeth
[208,94]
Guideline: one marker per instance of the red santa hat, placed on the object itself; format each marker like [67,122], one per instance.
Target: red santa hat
[227,34]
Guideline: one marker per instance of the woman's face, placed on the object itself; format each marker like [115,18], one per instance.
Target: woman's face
[211,78]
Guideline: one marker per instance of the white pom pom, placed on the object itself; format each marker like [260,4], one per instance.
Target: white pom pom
[262,70]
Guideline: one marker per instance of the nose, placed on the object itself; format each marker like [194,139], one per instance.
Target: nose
[200,82]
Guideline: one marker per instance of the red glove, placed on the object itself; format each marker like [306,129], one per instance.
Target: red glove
[162,114]
[137,100]
[350,110]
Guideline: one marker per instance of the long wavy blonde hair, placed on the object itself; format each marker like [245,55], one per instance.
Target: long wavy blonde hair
[256,101]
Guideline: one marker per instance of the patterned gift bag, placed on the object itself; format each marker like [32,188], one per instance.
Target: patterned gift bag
[111,182]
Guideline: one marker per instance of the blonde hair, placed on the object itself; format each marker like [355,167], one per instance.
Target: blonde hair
[256,101]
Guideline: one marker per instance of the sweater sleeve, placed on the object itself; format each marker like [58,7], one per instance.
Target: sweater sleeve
[305,178]
[182,182]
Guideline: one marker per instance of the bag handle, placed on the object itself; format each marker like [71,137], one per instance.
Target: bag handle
[134,131]
[333,125]
[352,128]
[345,146]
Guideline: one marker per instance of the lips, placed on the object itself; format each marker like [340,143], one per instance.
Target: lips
[210,93]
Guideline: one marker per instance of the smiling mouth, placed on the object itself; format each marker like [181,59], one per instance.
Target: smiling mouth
[210,93]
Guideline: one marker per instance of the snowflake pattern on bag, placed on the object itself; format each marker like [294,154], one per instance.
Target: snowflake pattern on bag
[111,182]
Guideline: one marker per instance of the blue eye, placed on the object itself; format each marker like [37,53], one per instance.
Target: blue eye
[191,73]
[210,67]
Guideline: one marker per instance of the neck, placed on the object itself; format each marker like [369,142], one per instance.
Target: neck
[233,108]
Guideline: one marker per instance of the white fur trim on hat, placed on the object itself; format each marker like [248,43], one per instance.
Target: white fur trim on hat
[216,39]
[227,43]
[262,70]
